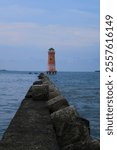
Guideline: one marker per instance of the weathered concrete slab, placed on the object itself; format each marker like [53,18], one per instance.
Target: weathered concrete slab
[90,144]
[40,92]
[70,128]
[39,82]
[53,94]
[30,129]
[57,103]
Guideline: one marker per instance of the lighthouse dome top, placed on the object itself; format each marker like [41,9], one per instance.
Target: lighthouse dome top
[51,49]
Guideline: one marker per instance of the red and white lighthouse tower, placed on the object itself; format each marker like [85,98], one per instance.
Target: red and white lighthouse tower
[51,62]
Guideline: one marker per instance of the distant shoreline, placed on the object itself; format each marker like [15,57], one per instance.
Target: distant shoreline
[97,71]
[3,70]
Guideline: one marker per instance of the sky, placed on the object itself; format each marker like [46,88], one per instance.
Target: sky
[28,28]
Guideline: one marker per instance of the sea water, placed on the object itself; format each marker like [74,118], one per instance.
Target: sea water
[81,89]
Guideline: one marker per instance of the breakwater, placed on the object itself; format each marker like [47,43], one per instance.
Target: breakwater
[45,121]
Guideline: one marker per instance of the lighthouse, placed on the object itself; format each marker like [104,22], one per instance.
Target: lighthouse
[51,61]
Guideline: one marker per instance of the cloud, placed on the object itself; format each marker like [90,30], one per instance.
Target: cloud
[16,12]
[80,12]
[32,34]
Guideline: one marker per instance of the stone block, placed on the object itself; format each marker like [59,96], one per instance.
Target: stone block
[51,88]
[39,82]
[90,144]
[53,94]
[66,114]
[69,127]
[57,103]
[41,76]
[40,92]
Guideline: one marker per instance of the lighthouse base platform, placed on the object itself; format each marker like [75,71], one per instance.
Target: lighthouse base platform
[51,72]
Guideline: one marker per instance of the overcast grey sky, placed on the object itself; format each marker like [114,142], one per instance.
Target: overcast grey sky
[28,28]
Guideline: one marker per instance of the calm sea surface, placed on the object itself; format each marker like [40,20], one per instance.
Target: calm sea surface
[82,89]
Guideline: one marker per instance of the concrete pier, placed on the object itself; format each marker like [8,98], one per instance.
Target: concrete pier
[45,121]
[30,129]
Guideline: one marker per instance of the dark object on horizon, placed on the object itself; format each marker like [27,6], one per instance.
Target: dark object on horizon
[35,72]
[51,62]
[30,73]
[97,70]
[3,70]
